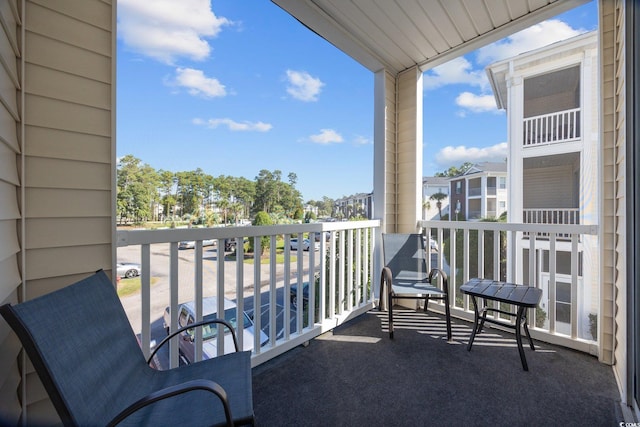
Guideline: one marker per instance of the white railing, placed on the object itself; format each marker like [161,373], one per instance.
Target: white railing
[339,277]
[551,216]
[500,251]
[561,126]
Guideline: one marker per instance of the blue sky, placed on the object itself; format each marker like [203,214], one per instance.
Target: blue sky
[233,87]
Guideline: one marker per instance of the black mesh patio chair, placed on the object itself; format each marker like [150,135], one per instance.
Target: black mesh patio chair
[405,275]
[86,354]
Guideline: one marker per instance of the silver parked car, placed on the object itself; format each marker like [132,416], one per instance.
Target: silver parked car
[186,316]
[127,269]
[191,244]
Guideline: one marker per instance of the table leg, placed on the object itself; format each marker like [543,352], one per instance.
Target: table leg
[526,331]
[519,337]
[476,315]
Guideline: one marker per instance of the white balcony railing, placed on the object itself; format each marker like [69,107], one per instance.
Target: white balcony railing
[339,273]
[566,270]
[551,216]
[561,126]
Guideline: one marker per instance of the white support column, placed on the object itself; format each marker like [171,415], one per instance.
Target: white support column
[409,150]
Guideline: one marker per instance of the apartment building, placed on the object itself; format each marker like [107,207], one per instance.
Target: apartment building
[480,192]
[551,99]
[434,185]
[355,205]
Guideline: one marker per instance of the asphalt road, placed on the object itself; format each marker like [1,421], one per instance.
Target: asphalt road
[160,293]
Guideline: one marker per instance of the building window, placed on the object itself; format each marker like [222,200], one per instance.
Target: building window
[459,187]
[502,183]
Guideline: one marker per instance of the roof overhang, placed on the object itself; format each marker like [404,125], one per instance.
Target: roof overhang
[396,35]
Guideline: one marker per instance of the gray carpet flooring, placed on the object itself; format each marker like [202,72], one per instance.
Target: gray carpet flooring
[357,376]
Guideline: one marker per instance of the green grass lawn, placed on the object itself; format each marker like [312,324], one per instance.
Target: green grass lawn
[128,287]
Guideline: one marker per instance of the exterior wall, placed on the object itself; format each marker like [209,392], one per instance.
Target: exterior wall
[613,291]
[65,215]
[10,51]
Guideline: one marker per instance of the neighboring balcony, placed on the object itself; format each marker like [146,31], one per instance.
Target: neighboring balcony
[552,128]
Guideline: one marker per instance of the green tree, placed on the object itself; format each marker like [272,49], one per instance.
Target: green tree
[438,197]
[136,187]
[261,218]
[455,171]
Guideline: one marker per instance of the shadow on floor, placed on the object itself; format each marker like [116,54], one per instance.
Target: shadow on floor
[357,376]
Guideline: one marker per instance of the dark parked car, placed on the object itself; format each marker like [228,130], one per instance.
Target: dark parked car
[293,294]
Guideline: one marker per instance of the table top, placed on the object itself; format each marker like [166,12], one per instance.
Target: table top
[526,296]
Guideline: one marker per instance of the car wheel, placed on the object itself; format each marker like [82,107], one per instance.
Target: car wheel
[130,273]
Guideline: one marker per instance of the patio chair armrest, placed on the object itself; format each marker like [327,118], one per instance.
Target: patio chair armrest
[195,325]
[445,279]
[175,390]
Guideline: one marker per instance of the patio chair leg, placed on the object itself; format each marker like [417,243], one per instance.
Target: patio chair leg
[390,308]
[447,312]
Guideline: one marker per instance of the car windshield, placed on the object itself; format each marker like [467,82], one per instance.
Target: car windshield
[211,330]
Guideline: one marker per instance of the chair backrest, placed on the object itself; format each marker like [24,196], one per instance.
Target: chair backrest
[82,346]
[405,255]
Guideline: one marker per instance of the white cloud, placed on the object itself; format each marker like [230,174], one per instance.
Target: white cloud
[361,140]
[477,103]
[327,136]
[232,125]
[450,155]
[303,86]
[534,37]
[198,84]
[456,71]
[168,29]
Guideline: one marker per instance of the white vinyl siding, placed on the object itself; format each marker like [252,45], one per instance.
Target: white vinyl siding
[9,206]
[62,104]
[409,150]
[610,175]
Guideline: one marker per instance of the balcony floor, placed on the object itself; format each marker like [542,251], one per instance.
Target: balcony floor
[357,376]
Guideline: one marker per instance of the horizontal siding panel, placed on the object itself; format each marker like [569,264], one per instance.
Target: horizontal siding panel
[9,359]
[8,129]
[8,165]
[57,203]
[55,114]
[8,59]
[94,12]
[61,144]
[10,404]
[8,92]
[71,59]
[61,232]
[10,277]
[64,28]
[42,412]
[9,21]
[67,87]
[9,205]
[9,239]
[47,263]
[39,287]
[57,173]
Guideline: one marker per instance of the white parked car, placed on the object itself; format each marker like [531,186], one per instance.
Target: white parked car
[128,270]
[186,316]
[191,244]
[306,245]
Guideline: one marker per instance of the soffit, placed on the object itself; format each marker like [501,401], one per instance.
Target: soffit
[398,34]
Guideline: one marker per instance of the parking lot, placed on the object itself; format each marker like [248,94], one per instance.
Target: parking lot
[160,292]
